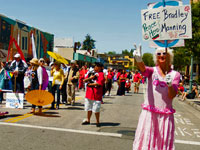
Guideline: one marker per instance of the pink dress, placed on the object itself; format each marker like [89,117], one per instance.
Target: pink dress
[155,130]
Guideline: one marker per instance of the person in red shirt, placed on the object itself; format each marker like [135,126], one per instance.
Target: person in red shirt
[122,80]
[81,77]
[136,79]
[94,94]
[181,90]
[109,80]
[128,85]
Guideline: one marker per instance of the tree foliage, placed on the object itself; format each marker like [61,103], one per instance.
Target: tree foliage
[148,59]
[192,46]
[78,46]
[111,53]
[88,43]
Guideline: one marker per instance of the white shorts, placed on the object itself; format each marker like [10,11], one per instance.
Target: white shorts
[92,105]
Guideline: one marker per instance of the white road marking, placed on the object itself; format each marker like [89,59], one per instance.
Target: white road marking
[86,132]
[187,142]
[62,129]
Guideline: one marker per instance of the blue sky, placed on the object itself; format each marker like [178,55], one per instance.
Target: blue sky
[115,25]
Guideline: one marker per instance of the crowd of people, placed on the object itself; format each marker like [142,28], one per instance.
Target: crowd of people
[64,80]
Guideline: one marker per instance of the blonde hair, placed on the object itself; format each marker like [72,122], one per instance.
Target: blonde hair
[162,49]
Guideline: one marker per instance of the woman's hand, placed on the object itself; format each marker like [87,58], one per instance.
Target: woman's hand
[60,87]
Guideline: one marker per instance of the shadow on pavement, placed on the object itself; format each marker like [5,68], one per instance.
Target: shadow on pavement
[10,116]
[46,114]
[106,124]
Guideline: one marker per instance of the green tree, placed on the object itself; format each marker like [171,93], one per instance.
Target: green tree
[128,53]
[88,43]
[148,59]
[78,45]
[192,46]
[111,53]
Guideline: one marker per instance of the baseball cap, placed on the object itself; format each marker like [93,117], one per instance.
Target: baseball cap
[17,55]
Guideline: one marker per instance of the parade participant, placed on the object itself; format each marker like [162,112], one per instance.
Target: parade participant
[81,77]
[64,86]
[72,75]
[156,127]
[122,80]
[109,80]
[51,66]
[136,80]
[94,94]
[18,67]
[45,77]
[36,80]
[128,85]
[58,80]
[2,77]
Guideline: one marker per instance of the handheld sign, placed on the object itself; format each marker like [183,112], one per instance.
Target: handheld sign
[14,100]
[167,23]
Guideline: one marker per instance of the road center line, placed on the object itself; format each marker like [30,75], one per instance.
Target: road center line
[18,118]
[62,129]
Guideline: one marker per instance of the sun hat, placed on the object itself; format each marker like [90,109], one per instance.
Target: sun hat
[34,61]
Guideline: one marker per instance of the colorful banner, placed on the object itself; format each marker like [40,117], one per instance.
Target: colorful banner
[33,46]
[167,23]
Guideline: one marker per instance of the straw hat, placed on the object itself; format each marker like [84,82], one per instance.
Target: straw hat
[34,61]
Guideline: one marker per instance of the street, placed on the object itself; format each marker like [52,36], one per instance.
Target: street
[61,129]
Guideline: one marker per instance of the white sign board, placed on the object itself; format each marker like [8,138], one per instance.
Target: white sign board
[167,23]
[14,100]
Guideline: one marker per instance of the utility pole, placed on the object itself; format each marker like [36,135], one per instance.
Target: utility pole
[191,72]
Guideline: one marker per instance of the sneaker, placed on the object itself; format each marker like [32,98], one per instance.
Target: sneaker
[85,122]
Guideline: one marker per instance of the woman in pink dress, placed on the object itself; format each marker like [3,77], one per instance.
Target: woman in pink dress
[156,128]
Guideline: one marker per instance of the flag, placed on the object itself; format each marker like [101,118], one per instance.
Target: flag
[33,46]
[9,74]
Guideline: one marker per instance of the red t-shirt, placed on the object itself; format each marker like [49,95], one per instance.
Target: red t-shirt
[181,88]
[96,93]
[137,77]
[123,76]
[128,84]
[110,75]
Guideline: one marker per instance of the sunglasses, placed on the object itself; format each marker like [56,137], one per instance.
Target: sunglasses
[42,61]
[161,53]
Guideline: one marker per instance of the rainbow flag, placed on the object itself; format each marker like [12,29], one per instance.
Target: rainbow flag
[9,74]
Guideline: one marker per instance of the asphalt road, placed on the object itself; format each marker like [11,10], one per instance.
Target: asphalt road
[62,130]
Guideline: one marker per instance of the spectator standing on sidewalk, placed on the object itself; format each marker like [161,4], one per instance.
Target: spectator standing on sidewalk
[72,75]
[94,94]
[156,127]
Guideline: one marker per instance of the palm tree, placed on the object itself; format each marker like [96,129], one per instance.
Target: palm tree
[88,43]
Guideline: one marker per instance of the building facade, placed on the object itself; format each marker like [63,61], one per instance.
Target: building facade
[22,33]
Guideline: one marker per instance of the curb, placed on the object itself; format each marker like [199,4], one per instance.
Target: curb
[196,106]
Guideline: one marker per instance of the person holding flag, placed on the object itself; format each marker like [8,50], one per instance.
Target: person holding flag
[18,67]
[156,127]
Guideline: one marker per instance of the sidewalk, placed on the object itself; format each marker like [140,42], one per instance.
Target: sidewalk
[195,103]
